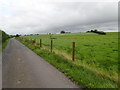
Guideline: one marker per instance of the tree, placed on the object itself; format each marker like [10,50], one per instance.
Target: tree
[98,32]
[87,31]
[91,31]
[95,30]
[62,32]
[17,35]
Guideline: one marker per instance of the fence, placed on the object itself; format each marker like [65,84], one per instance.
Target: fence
[33,42]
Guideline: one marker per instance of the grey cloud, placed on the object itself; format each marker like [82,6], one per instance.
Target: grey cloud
[35,16]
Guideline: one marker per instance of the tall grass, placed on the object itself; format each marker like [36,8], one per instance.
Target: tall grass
[99,51]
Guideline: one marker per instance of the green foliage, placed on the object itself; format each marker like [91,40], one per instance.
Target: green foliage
[4,36]
[62,32]
[4,44]
[3,39]
[17,35]
[98,32]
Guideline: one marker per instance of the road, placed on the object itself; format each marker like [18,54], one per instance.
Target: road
[22,68]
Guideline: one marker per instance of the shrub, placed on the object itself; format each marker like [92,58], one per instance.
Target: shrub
[98,32]
[62,32]
[4,36]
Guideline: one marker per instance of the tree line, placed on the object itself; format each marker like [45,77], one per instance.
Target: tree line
[98,32]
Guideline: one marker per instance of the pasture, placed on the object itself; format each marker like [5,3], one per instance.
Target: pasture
[97,53]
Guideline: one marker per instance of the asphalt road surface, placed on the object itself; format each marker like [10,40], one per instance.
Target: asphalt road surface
[22,68]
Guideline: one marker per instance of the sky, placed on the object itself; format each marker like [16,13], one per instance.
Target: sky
[52,16]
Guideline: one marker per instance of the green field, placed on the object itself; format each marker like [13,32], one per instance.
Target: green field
[96,53]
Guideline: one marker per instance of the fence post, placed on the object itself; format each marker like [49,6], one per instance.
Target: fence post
[73,51]
[40,43]
[51,45]
[31,41]
[35,43]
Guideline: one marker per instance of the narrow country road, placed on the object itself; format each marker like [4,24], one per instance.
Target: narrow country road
[22,68]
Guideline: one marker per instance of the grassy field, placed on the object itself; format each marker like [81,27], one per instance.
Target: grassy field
[96,53]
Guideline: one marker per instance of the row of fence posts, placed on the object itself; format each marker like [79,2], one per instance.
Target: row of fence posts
[51,46]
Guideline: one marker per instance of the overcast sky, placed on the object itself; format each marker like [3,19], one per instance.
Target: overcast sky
[52,16]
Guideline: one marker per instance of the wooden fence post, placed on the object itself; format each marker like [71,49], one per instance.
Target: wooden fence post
[51,45]
[73,51]
[35,43]
[31,41]
[40,43]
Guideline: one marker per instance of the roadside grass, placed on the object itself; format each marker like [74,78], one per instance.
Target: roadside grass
[79,74]
[110,75]
[4,44]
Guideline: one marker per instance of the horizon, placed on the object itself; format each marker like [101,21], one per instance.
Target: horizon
[55,33]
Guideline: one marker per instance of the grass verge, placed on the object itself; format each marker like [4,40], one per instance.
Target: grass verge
[79,74]
[4,44]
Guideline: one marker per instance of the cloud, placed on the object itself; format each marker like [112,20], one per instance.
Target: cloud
[38,16]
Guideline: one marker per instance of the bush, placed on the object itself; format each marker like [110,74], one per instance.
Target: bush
[98,32]
[62,32]
[4,36]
